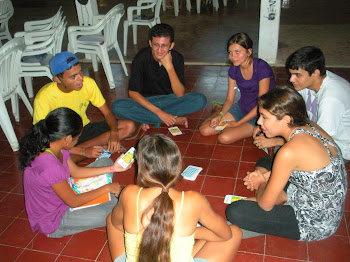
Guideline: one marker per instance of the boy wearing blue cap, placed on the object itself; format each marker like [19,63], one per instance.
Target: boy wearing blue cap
[73,90]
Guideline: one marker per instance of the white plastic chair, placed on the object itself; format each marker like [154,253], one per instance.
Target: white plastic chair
[87,11]
[6,12]
[97,40]
[137,18]
[215,5]
[176,6]
[10,87]
[40,47]
[43,24]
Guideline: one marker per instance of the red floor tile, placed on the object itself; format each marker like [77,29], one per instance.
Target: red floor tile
[63,258]
[36,256]
[9,181]
[86,244]
[12,205]
[253,245]
[251,154]
[197,185]
[199,139]
[282,247]
[245,257]
[182,147]
[218,186]
[104,255]
[223,168]
[199,150]
[225,152]
[185,137]
[50,245]
[5,221]
[218,205]
[280,259]
[335,248]
[18,234]
[10,253]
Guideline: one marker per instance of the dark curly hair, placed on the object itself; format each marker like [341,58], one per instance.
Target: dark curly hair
[161,30]
[58,123]
[283,101]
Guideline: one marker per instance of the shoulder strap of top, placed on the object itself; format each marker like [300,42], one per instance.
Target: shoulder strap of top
[137,210]
[317,134]
[182,201]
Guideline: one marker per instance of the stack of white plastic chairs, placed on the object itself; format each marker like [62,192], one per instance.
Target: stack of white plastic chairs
[10,87]
[43,39]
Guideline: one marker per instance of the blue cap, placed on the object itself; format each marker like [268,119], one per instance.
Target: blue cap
[59,64]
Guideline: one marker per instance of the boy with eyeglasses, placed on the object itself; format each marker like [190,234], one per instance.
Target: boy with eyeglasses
[157,85]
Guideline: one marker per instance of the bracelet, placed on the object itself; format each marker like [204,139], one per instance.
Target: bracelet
[111,169]
[222,114]
[82,151]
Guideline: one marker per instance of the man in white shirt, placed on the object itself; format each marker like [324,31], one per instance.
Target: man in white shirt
[327,98]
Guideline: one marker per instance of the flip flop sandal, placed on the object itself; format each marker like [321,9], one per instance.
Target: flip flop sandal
[216,103]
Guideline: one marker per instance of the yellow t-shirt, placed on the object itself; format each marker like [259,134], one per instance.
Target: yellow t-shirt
[50,97]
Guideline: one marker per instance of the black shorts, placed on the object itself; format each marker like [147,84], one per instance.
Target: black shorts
[93,130]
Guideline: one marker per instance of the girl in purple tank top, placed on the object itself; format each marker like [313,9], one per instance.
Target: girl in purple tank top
[253,77]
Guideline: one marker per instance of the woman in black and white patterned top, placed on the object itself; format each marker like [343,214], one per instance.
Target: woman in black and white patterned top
[300,194]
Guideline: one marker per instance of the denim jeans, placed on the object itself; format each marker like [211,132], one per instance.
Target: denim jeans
[87,218]
[177,106]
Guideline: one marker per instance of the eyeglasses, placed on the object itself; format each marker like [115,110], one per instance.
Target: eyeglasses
[162,46]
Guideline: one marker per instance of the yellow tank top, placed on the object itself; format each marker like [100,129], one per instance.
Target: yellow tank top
[181,247]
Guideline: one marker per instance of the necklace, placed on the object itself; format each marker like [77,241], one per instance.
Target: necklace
[49,151]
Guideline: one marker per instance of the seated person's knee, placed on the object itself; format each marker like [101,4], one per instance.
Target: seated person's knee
[225,139]
[205,130]
[131,127]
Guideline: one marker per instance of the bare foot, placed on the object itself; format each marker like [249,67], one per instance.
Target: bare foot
[182,121]
[145,127]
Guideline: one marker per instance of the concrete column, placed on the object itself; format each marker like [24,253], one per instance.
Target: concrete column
[270,12]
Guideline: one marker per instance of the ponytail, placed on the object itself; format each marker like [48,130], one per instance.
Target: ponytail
[59,123]
[157,236]
[159,165]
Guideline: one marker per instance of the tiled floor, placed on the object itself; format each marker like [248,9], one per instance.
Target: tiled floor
[224,166]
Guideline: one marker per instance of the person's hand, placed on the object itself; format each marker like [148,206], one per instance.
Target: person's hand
[254,179]
[167,61]
[232,124]
[168,119]
[215,121]
[113,142]
[116,167]
[114,188]
[256,131]
[93,151]
[261,141]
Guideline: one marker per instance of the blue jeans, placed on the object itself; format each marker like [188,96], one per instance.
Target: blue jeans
[238,115]
[177,106]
